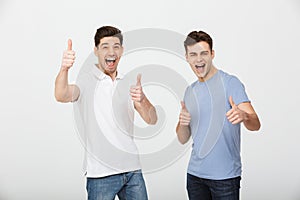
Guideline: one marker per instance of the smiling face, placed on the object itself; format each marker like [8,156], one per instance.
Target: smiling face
[109,52]
[200,56]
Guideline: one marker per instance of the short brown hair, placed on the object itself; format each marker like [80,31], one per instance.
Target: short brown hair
[107,31]
[198,36]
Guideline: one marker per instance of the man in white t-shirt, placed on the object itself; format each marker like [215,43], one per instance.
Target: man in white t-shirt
[105,117]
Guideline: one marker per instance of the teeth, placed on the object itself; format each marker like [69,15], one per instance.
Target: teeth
[110,59]
[198,66]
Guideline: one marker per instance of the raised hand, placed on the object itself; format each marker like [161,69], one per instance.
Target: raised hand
[184,116]
[68,57]
[136,91]
[235,115]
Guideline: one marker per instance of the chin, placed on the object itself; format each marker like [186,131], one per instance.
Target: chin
[200,75]
[110,71]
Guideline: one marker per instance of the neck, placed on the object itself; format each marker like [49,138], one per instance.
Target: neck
[112,75]
[210,74]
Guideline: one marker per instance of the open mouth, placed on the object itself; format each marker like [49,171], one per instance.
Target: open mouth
[200,66]
[110,61]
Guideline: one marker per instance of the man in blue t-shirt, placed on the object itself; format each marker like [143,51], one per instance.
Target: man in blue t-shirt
[214,106]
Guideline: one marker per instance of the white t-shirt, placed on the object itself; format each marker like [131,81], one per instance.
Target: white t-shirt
[104,117]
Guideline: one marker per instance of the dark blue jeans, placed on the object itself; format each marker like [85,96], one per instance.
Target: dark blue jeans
[127,186]
[206,189]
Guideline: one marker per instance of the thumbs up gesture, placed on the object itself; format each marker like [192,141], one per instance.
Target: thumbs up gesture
[68,57]
[235,115]
[184,116]
[136,91]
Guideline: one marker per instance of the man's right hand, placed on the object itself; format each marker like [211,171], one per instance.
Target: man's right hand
[65,92]
[68,57]
[184,117]
[183,128]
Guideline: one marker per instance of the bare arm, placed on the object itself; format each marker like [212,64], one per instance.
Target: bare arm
[245,113]
[65,92]
[146,110]
[183,127]
[141,103]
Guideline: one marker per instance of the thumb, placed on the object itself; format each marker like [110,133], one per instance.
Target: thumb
[69,44]
[138,80]
[183,105]
[231,101]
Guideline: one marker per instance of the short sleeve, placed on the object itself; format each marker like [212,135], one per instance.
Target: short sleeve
[81,83]
[236,89]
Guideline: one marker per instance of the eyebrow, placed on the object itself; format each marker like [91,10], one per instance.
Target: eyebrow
[108,44]
[192,52]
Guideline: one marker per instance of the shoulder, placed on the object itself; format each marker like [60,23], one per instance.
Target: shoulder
[229,79]
[190,91]
[190,87]
[193,84]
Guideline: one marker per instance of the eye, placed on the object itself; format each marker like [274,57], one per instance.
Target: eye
[204,53]
[117,47]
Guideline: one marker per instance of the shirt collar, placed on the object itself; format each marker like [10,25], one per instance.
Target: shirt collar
[101,75]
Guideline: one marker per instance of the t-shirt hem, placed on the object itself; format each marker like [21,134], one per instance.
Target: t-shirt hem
[100,175]
[213,177]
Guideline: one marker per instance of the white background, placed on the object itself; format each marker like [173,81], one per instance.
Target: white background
[40,152]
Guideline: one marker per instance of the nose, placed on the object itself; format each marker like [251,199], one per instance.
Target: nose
[199,58]
[111,51]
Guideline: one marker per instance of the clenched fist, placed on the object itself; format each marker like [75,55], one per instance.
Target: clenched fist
[136,91]
[68,57]
[184,117]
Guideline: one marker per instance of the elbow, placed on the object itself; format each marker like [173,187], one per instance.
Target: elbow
[257,127]
[253,124]
[254,128]
[59,98]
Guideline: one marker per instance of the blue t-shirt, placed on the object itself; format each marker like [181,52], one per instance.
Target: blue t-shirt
[216,142]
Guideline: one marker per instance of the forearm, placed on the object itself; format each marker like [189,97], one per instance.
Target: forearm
[183,133]
[146,110]
[252,122]
[62,87]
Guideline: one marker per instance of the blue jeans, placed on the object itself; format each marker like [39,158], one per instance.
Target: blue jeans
[127,186]
[206,189]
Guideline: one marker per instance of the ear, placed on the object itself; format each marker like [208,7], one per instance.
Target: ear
[122,50]
[213,54]
[95,51]
[186,57]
